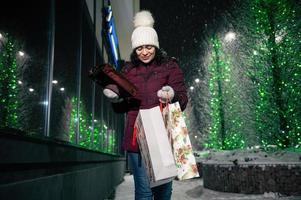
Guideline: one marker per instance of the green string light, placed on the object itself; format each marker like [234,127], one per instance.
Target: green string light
[9,89]
[286,39]
[104,139]
[224,131]
[73,120]
[273,41]
[270,44]
[11,98]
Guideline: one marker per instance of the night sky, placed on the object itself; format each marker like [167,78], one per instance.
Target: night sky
[181,24]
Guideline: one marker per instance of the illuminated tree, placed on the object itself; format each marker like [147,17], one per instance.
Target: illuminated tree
[104,139]
[83,120]
[225,130]
[9,88]
[270,51]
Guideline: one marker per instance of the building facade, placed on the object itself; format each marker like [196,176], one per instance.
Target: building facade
[59,137]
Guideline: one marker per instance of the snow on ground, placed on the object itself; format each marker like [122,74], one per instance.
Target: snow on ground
[254,155]
[193,190]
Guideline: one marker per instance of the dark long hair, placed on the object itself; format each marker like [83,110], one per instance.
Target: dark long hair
[160,57]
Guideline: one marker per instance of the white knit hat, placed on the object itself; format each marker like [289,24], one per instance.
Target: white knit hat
[144,33]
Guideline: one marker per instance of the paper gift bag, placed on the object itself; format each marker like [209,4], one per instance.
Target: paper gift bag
[182,149]
[105,75]
[154,146]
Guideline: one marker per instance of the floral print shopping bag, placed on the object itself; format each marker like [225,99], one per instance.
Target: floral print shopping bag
[181,145]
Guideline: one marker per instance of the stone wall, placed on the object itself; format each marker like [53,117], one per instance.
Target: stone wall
[284,178]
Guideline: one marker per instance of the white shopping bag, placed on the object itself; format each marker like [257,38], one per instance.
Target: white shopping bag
[154,146]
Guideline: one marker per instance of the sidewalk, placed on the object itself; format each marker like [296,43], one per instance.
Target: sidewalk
[192,190]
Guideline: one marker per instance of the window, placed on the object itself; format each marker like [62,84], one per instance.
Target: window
[41,73]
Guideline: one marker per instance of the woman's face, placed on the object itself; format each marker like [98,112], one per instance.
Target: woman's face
[146,53]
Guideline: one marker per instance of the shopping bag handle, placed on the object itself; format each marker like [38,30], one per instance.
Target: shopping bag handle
[134,139]
[161,104]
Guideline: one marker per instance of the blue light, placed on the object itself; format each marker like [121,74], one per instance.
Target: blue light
[111,36]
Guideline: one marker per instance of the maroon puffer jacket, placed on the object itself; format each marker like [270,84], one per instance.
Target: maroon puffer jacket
[149,79]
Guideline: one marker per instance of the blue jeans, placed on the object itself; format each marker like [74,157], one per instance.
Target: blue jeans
[142,189]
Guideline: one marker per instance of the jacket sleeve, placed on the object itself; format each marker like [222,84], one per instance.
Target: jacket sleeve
[176,81]
[121,107]
[128,103]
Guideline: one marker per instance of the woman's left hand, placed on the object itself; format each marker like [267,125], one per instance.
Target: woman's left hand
[166,94]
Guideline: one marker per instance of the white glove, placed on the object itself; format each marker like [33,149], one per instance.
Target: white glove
[112,96]
[166,93]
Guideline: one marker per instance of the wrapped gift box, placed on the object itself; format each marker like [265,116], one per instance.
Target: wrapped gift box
[106,76]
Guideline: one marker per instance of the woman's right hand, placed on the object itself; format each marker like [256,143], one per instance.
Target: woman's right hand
[112,96]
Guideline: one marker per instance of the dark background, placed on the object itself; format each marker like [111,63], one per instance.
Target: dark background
[182,24]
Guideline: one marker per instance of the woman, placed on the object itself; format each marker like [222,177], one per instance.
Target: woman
[158,78]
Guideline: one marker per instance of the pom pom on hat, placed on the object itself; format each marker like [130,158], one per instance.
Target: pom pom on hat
[144,33]
[144,18]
